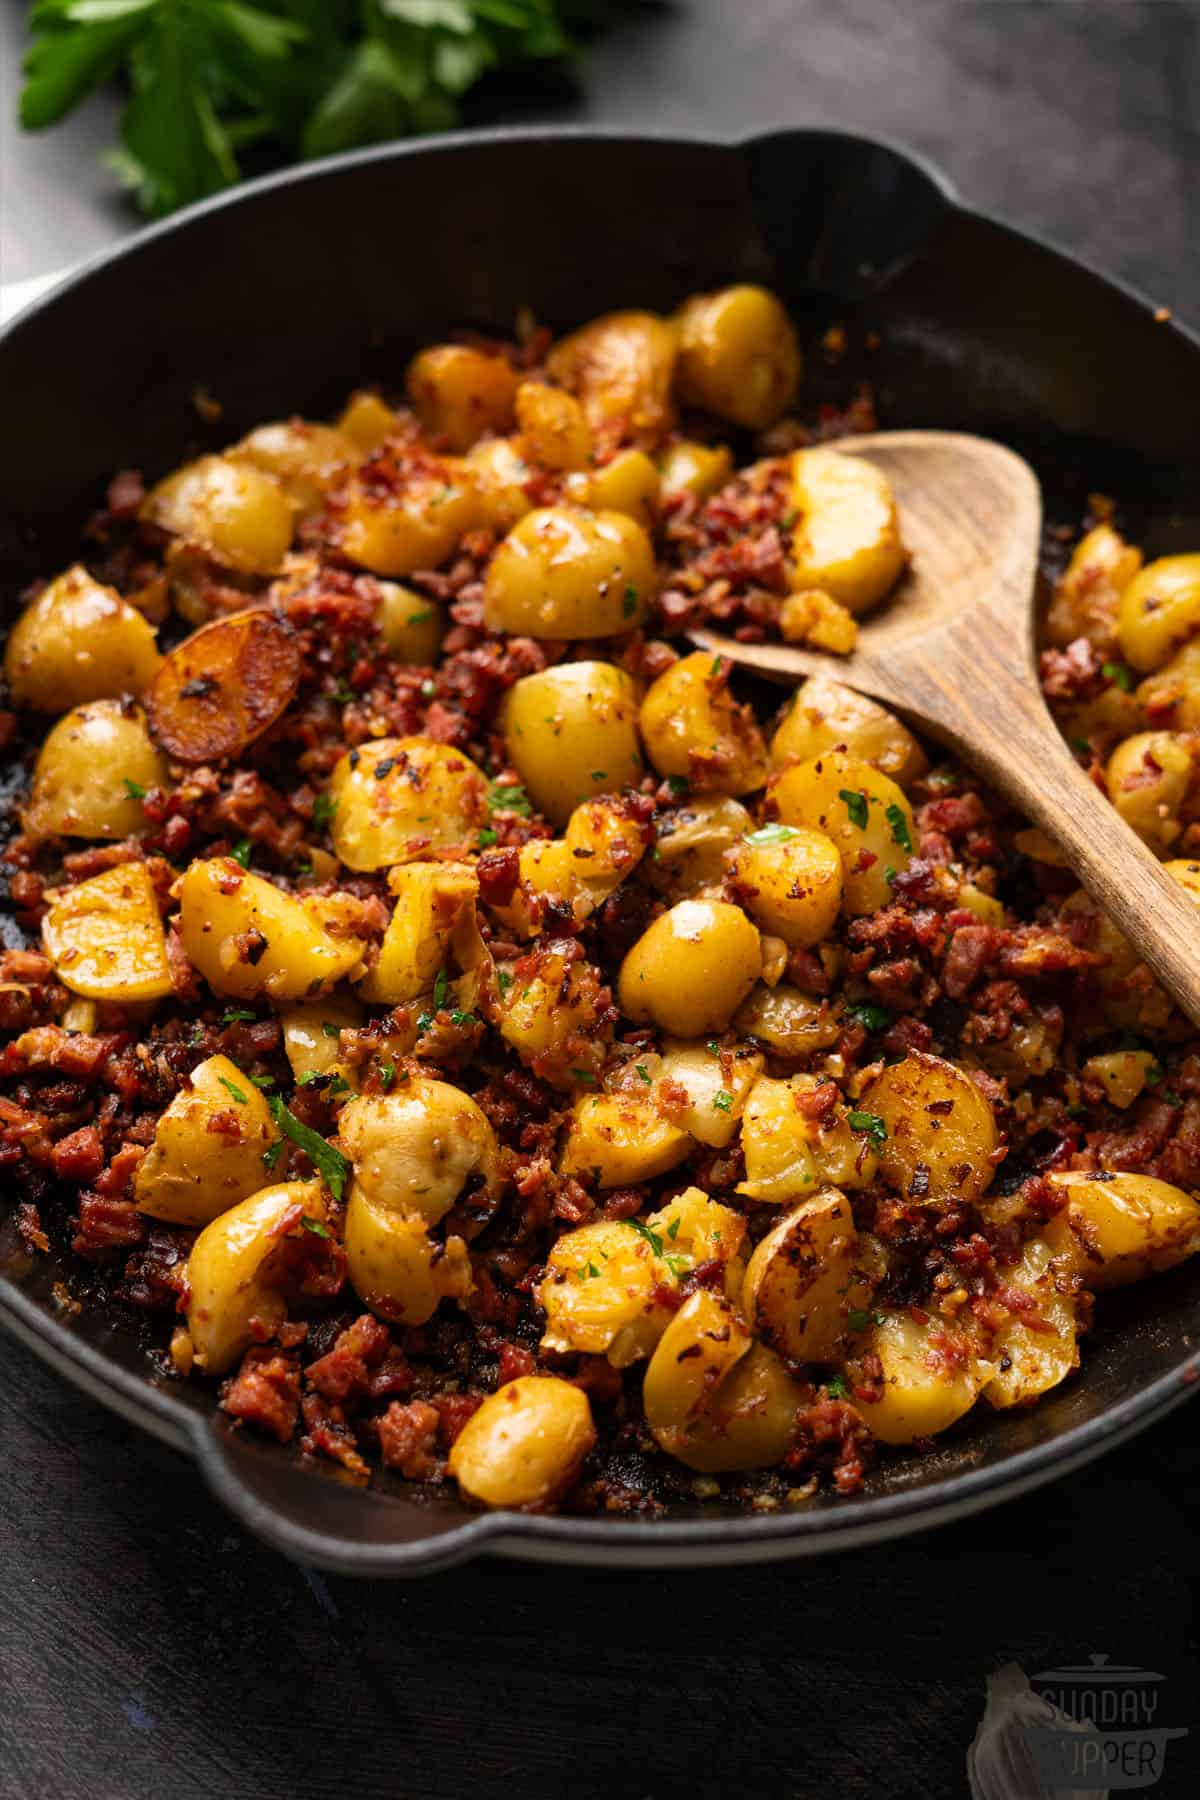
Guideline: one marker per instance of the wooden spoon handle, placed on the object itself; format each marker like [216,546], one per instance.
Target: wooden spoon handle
[985,708]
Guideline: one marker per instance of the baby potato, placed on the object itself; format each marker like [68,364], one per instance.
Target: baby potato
[1160,609]
[789,1152]
[620,367]
[229,508]
[1087,598]
[802,1280]
[1033,1352]
[940,1131]
[224,686]
[208,1147]
[91,774]
[415,1150]
[692,726]
[501,474]
[628,484]
[862,810]
[571,731]
[367,421]
[789,880]
[694,1229]
[620,1140]
[1129,995]
[565,573]
[231,1300]
[1121,1073]
[459,393]
[411,625]
[78,641]
[414,526]
[550,1018]
[248,937]
[395,1267]
[306,460]
[1170,696]
[432,924]
[525,1444]
[691,969]
[702,1092]
[847,539]
[1148,779]
[791,1024]
[824,715]
[310,1037]
[924,1393]
[401,798]
[738,356]
[105,937]
[602,1293]
[554,430]
[692,840]
[713,1398]
[1125,1226]
[1187,874]
[691,468]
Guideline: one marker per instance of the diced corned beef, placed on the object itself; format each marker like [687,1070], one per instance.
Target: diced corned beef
[265,1392]
[408,1439]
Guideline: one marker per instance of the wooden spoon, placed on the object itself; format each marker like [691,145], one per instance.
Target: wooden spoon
[953,649]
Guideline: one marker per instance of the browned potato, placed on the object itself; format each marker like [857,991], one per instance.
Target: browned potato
[620,366]
[715,1399]
[802,1281]
[208,1147]
[921,1396]
[554,428]
[105,937]
[224,686]
[1037,1348]
[397,799]
[229,508]
[92,773]
[563,572]
[862,810]
[1088,597]
[789,880]
[459,393]
[693,727]
[78,641]
[1127,1226]
[824,715]
[395,531]
[934,1129]
[306,460]
[1149,778]
[738,356]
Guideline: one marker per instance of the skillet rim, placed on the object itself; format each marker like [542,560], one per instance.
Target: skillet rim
[558,1538]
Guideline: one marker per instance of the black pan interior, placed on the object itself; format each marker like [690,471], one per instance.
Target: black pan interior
[283,299]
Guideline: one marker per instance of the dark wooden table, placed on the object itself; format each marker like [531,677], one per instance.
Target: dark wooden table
[147,1648]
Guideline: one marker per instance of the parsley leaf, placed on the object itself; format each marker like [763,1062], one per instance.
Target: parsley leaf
[644,1231]
[487,837]
[315,1226]
[772,834]
[238,1015]
[440,982]
[241,852]
[630,601]
[870,1016]
[208,77]
[856,806]
[329,1163]
[135,790]
[324,807]
[722,1101]
[504,799]
[837,1389]
[1118,673]
[899,824]
[871,1123]
[643,1071]
[236,1092]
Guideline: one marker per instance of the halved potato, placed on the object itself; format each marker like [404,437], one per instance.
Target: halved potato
[105,937]
[209,1147]
[224,686]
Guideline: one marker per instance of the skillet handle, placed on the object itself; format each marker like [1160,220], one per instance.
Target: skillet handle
[842,215]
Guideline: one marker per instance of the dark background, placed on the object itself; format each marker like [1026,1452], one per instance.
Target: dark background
[147,1648]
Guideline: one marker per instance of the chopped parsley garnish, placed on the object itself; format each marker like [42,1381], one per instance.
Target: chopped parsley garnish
[856,806]
[644,1231]
[488,837]
[343,693]
[324,807]
[644,1072]
[236,1092]
[588,1272]
[889,874]
[718,663]
[1118,673]
[387,1074]
[870,1016]
[1154,1075]
[458,1017]
[772,834]
[871,1123]
[134,789]
[329,1163]
[315,1226]
[332,1084]
[272,1154]
[502,798]
[858,1318]
[629,604]
[331,1030]
[713,1048]
[599,774]
[722,1101]
[426,613]
[263,1081]
[678,785]
[428,688]
[584,1075]
[673,1230]
[241,852]
[424,1021]
[678,1265]
[837,1389]
[238,1015]
[899,824]
[503,981]
[439,990]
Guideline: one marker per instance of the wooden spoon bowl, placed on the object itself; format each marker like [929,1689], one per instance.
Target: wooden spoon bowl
[953,650]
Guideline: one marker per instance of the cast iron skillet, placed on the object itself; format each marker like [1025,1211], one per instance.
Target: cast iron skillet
[282,296]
